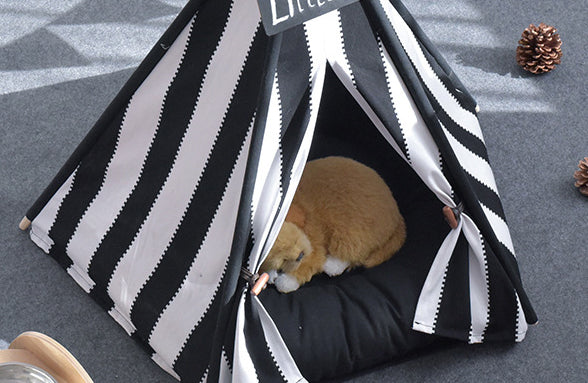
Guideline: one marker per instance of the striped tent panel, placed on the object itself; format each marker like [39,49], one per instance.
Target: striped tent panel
[473,160]
[189,122]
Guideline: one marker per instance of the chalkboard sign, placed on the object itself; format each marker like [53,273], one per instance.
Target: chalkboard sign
[279,15]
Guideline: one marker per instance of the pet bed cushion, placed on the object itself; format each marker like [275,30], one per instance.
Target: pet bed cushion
[333,326]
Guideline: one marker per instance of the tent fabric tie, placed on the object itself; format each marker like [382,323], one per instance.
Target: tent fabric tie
[453,214]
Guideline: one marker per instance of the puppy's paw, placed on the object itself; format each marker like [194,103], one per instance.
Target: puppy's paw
[273,274]
[286,283]
[334,266]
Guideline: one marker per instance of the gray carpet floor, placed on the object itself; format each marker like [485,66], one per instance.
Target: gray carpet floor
[62,62]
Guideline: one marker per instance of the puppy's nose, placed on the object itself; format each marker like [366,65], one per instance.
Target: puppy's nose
[280,271]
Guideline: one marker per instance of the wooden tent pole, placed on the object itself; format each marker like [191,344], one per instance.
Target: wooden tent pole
[24,223]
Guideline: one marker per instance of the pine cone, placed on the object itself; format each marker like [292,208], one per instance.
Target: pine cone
[581,176]
[539,49]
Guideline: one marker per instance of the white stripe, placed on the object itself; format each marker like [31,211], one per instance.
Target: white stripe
[243,367]
[478,282]
[473,164]
[334,45]
[277,346]
[267,192]
[521,321]
[448,102]
[159,228]
[422,149]
[140,123]
[188,306]
[314,31]
[43,222]
[266,212]
[500,228]
[432,291]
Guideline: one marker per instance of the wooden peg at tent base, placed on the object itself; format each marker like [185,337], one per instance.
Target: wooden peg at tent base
[450,217]
[24,223]
[260,284]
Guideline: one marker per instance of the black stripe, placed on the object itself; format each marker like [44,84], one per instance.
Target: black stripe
[228,358]
[293,72]
[363,53]
[292,139]
[86,184]
[257,347]
[453,317]
[175,116]
[191,234]
[296,109]
[502,299]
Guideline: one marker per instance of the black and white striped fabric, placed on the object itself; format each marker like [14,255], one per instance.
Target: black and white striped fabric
[190,172]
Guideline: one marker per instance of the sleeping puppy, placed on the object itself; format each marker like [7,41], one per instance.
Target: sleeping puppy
[343,215]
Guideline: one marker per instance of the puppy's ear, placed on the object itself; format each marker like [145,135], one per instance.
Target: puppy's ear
[296,215]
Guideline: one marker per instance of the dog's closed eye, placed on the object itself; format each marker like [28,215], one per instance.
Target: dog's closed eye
[300,256]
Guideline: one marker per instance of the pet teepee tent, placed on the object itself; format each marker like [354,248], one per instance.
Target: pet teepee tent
[173,199]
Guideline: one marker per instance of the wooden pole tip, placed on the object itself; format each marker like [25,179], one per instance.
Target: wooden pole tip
[24,223]
[260,284]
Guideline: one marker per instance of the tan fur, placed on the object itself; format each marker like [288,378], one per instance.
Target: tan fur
[343,209]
